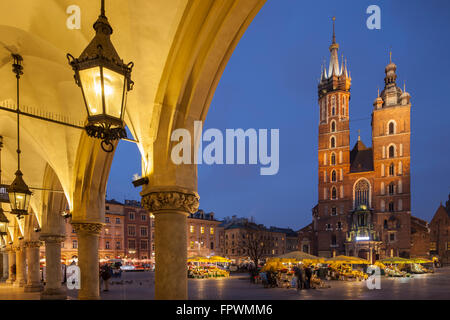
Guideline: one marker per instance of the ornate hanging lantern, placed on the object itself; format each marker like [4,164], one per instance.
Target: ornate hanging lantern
[18,191]
[104,81]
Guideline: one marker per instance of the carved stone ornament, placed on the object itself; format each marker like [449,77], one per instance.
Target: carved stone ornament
[171,200]
[87,227]
[52,238]
[33,244]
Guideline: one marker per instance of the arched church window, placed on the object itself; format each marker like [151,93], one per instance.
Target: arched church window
[391,169]
[333,142]
[333,105]
[362,189]
[333,126]
[333,176]
[333,240]
[391,129]
[333,159]
[391,206]
[391,151]
[391,188]
[333,193]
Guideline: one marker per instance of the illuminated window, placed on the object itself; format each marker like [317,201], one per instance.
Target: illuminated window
[192,244]
[191,229]
[433,246]
[202,230]
[211,230]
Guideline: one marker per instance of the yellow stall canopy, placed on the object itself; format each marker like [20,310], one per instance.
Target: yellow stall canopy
[347,260]
[219,259]
[298,256]
[421,260]
[396,260]
[198,259]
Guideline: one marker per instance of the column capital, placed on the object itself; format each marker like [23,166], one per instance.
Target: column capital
[173,200]
[33,244]
[87,227]
[52,238]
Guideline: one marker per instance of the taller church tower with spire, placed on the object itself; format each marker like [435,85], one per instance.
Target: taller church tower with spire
[364,193]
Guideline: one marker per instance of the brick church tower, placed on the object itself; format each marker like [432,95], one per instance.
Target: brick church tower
[364,202]
[334,150]
[391,137]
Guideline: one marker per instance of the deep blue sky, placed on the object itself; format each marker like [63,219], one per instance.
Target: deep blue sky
[271,82]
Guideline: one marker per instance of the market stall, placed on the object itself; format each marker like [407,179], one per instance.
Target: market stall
[346,268]
[203,267]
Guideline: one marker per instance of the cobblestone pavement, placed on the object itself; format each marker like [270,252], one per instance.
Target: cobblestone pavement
[140,285]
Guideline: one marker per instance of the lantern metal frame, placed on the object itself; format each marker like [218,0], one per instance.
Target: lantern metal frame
[18,187]
[100,53]
[3,219]
[3,223]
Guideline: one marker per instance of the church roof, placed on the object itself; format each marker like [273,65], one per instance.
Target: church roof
[361,158]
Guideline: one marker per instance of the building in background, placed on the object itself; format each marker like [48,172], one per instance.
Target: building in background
[439,230]
[306,239]
[291,238]
[240,234]
[137,232]
[111,239]
[420,238]
[203,235]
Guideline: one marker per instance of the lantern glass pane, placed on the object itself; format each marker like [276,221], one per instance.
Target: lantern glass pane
[19,201]
[114,85]
[92,87]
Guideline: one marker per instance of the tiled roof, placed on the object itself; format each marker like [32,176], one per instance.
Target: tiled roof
[361,158]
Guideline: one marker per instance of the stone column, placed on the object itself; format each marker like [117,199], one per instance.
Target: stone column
[1,265]
[11,263]
[20,267]
[33,275]
[5,271]
[171,209]
[88,261]
[53,289]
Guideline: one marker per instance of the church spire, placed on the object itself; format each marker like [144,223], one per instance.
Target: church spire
[334,59]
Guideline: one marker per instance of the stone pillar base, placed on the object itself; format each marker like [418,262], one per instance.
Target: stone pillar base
[54,294]
[19,283]
[10,281]
[85,297]
[33,288]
